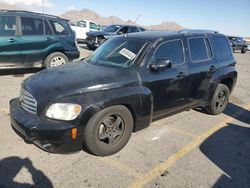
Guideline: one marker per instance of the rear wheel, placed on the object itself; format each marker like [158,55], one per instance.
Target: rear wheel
[244,50]
[108,131]
[219,101]
[55,59]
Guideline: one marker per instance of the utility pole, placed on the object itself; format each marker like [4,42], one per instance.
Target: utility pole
[42,6]
[138,17]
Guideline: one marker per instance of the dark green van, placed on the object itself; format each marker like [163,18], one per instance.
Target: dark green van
[29,39]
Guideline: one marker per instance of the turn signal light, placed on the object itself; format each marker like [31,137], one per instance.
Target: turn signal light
[74,133]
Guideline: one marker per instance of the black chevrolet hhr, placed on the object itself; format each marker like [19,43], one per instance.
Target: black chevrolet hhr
[122,87]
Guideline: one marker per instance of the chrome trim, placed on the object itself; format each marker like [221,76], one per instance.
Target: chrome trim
[27,102]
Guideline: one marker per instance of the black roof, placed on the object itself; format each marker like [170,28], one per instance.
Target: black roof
[156,35]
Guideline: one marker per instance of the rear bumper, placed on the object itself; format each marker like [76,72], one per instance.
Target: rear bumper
[50,136]
[72,55]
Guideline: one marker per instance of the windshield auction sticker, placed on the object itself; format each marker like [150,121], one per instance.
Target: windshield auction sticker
[127,53]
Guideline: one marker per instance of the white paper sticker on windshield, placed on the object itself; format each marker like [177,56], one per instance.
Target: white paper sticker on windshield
[127,53]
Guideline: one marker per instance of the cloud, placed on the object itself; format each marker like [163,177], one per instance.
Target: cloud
[72,8]
[30,3]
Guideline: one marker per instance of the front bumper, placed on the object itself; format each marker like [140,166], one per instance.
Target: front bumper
[51,136]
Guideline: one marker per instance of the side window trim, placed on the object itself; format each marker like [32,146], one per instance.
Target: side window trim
[47,21]
[183,51]
[189,50]
[208,45]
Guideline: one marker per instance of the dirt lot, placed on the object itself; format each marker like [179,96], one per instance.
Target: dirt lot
[190,149]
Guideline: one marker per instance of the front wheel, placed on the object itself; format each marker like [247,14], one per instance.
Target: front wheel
[219,101]
[108,131]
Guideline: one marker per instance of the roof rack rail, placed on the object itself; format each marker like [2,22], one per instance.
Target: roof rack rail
[29,12]
[197,31]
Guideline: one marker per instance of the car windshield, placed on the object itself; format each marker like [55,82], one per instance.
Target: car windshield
[117,52]
[112,28]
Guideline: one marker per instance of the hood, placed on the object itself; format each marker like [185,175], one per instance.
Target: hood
[99,33]
[77,78]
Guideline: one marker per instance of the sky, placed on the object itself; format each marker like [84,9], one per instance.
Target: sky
[226,16]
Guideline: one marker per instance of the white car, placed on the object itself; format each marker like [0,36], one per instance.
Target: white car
[81,27]
[248,47]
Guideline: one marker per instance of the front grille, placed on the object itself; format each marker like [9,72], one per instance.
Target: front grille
[28,102]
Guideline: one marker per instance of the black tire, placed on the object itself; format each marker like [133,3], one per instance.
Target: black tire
[100,136]
[50,61]
[244,50]
[91,47]
[219,101]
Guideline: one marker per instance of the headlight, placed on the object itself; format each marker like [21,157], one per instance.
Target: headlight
[64,111]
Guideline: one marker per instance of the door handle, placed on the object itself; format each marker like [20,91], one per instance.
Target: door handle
[180,75]
[12,40]
[212,68]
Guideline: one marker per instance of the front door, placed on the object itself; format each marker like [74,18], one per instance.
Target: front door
[170,87]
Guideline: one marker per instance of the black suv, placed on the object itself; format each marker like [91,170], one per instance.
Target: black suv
[30,39]
[96,38]
[238,43]
[126,84]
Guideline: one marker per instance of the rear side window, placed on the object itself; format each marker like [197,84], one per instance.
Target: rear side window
[200,49]
[58,28]
[81,24]
[32,26]
[221,47]
[7,25]
[132,30]
[172,50]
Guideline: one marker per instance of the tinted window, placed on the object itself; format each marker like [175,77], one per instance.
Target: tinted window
[7,25]
[198,49]
[48,30]
[32,26]
[93,26]
[132,30]
[58,28]
[221,47]
[81,23]
[172,50]
[124,29]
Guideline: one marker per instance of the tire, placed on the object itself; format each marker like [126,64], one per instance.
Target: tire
[244,50]
[55,59]
[108,131]
[91,47]
[219,101]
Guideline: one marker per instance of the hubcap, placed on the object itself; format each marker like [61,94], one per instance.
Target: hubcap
[56,61]
[111,129]
[221,99]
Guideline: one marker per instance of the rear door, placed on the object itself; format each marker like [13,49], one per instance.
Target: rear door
[36,39]
[10,46]
[202,66]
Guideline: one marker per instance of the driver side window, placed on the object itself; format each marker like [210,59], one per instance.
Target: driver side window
[171,50]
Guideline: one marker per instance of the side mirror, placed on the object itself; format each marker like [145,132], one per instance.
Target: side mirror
[160,64]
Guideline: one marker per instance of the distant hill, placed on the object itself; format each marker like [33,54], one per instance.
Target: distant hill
[9,7]
[87,14]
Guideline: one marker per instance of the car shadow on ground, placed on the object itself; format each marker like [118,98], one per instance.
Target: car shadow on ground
[19,72]
[11,167]
[229,149]
[232,110]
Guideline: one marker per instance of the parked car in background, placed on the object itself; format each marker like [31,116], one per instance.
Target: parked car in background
[238,43]
[95,39]
[126,84]
[29,39]
[248,47]
[82,27]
